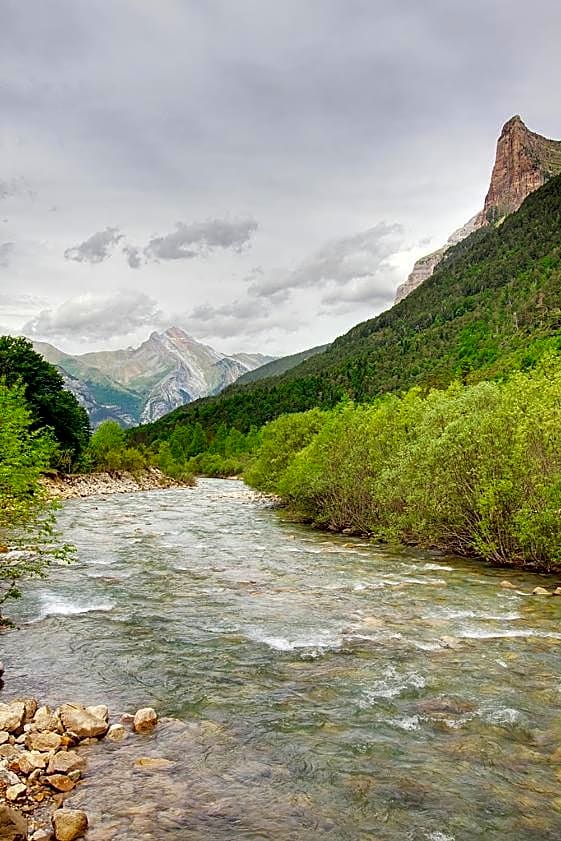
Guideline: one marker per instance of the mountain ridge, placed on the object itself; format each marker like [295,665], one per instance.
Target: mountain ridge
[524,162]
[140,384]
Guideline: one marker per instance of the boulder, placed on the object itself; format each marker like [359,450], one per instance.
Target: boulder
[540,591]
[99,711]
[85,723]
[69,824]
[508,585]
[65,761]
[30,706]
[12,716]
[13,825]
[116,733]
[145,720]
[557,591]
[44,740]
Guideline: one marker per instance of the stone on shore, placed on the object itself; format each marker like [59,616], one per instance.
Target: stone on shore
[31,760]
[84,722]
[44,719]
[12,716]
[65,761]
[69,824]
[61,782]
[13,825]
[116,733]
[43,741]
[145,720]
[15,791]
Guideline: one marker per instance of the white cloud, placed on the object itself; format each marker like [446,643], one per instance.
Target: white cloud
[96,248]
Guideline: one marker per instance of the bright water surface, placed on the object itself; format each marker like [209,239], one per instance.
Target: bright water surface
[325,688]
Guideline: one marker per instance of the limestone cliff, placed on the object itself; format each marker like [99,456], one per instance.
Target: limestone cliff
[524,161]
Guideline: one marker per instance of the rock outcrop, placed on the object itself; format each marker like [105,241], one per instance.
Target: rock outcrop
[524,161]
[67,486]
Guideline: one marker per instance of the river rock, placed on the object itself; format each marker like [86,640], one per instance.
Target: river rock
[13,825]
[6,776]
[42,835]
[557,591]
[30,706]
[145,720]
[30,760]
[12,716]
[85,723]
[4,737]
[100,711]
[153,763]
[445,706]
[540,591]
[69,824]
[44,719]
[508,585]
[44,740]
[15,791]
[65,761]
[61,782]
[116,733]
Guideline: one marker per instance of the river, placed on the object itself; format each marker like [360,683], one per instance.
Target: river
[322,687]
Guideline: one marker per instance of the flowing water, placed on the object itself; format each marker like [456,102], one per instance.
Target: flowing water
[318,687]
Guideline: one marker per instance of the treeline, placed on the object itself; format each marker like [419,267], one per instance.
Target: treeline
[473,469]
[492,306]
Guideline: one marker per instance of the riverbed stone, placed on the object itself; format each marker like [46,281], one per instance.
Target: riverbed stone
[540,591]
[116,733]
[69,824]
[84,722]
[41,835]
[13,825]
[45,719]
[61,782]
[65,761]
[12,716]
[557,591]
[508,585]
[4,737]
[153,763]
[30,760]
[145,720]
[44,740]
[15,791]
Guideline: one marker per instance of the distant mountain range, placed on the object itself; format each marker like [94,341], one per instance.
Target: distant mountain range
[138,385]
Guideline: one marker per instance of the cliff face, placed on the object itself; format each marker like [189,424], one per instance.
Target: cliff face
[524,161]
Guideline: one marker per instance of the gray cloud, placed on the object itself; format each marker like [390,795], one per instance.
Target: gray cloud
[94,317]
[133,255]
[200,238]
[6,252]
[16,186]
[248,317]
[340,262]
[96,248]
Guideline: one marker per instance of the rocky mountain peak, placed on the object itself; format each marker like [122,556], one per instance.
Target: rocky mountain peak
[524,161]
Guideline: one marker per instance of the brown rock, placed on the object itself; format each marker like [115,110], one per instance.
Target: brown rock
[145,720]
[152,763]
[540,591]
[69,824]
[65,761]
[13,825]
[508,585]
[15,791]
[44,740]
[84,723]
[12,716]
[30,760]
[557,591]
[41,835]
[116,733]
[44,719]
[61,782]
[30,706]
[4,737]
[8,751]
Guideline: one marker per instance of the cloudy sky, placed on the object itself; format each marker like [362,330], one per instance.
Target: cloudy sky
[261,173]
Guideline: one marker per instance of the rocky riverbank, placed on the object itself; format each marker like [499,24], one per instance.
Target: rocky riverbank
[42,759]
[66,486]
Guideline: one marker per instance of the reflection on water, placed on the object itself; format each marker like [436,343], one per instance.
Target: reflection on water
[324,688]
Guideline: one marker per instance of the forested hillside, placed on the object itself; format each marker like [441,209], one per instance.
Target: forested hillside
[493,305]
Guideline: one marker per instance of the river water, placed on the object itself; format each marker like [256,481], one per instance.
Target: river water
[320,687]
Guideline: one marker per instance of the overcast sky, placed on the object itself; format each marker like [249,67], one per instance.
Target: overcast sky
[261,173]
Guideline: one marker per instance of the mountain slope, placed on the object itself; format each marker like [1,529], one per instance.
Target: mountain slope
[279,366]
[493,294]
[524,161]
[168,370]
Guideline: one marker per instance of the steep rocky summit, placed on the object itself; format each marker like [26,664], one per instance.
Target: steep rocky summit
[141,384]
[524,161]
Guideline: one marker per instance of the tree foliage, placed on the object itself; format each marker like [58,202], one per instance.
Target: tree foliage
[51,405]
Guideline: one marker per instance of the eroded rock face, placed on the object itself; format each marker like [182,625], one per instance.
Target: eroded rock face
[524,161]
